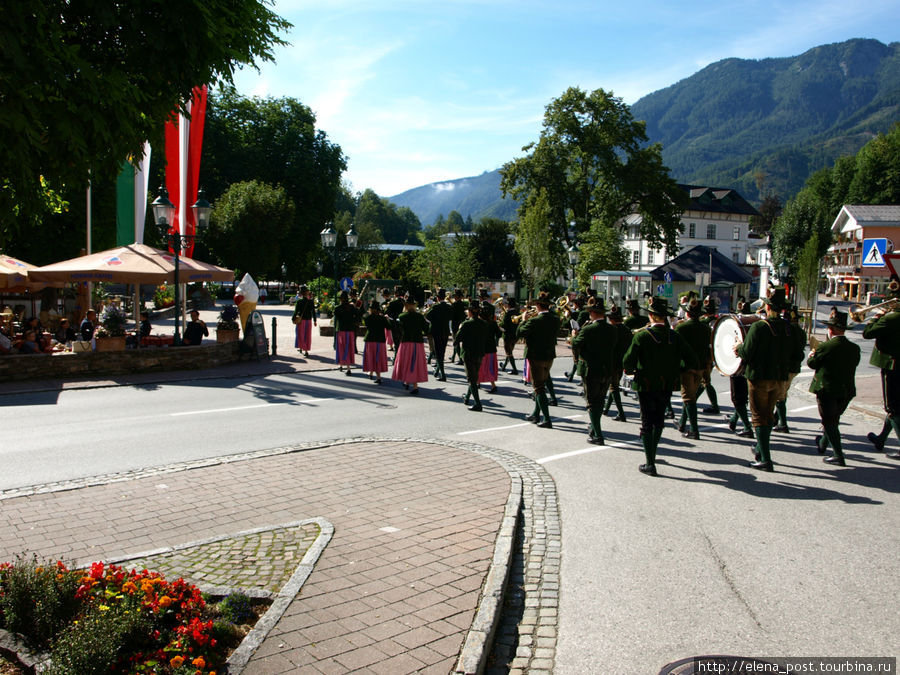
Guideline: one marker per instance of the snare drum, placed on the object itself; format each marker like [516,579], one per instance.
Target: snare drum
[730,330]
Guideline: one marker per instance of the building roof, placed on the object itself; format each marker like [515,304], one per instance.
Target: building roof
[397,248]
[697,259]
[855,216]
[717,200]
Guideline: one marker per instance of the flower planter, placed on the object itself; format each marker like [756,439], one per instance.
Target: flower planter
[110,344]
[227,335]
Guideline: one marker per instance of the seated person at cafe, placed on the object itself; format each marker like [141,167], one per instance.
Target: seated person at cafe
[145,324]
[30,344]
[88,325]
[5,342]
[34,324]
[195,331]
[65,333]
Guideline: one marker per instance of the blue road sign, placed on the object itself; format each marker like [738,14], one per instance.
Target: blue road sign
[346,283]
[667,277]
[873,252]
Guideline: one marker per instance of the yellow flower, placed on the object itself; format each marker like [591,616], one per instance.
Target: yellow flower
[177,661]
[104,608]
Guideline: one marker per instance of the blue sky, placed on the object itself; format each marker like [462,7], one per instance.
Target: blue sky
[417,92]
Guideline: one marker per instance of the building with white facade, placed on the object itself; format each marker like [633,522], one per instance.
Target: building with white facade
[715,217]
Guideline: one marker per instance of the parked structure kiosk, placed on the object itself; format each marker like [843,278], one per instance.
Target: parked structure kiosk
[616,285]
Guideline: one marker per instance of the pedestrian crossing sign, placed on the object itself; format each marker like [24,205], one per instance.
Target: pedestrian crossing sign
[873,252]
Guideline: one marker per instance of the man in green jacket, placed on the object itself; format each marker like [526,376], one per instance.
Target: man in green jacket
[472,338]
[834,383]
[766,352]
[697,334]
[798,335]
[885,330]
[540,334]
[623,341]
[595,342]
[439,316]
[656,357]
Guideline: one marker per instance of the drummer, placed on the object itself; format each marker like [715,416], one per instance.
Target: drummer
[739,393]
[766,352]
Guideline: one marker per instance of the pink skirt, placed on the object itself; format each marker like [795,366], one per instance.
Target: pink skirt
[488,371]
[388,337]
[375,357]
[526,371]
[345,355]
[303,339]
[409,365]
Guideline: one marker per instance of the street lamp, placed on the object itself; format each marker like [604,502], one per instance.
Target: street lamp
[329,242]
[164,215]
[573,252]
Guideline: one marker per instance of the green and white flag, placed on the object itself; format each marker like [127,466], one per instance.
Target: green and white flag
[131,199]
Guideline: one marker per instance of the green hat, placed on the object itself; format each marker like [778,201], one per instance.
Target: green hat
[595,306]
[776,299]
[839,320]
[659,306]
[614,313]
[693,308]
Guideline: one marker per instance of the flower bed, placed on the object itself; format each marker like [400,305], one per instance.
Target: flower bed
[109,620]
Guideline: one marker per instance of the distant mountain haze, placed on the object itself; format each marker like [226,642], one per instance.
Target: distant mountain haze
[738,123]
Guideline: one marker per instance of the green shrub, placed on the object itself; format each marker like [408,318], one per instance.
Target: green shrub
[226,634]
[236,608]
[37,599]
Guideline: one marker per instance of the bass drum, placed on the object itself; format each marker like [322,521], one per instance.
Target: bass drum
[730,330]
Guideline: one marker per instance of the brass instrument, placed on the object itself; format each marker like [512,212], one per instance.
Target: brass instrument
[814,342]
[529,313]
[858,312]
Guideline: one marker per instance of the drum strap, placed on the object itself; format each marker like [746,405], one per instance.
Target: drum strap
[771,327]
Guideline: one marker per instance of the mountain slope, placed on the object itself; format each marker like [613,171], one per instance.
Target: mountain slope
[737,120]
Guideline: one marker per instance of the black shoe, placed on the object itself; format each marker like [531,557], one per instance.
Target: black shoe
[619,418]
[493,390]
[546,424]
[475,408]
[762,466]
[533,418]
[893,455]
[415,392]
[819,445]
[596,440]
[514,372]
[746,433]
[837,461]
[876,441]
[648,469]
[566,375]
[552,402]
[671,414]
[732,425]
[348,372]
[712,410]
[377,380]
[756,455]
[305,353]
[693,435]
[681,428]
[782,428]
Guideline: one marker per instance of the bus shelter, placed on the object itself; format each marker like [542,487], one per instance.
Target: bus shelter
[614,286]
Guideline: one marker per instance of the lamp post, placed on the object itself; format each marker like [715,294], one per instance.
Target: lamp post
[283,280]
[573,252]
[329,243]
[164,215]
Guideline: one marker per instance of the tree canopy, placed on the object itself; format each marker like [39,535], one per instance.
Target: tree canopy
[84,84]
[592,162]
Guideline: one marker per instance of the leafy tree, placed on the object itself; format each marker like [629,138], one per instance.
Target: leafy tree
[540,256]
[769,210]
[494,249]
[593,163]
[85,83]
[602,249]
[877,176]
[806,274]
[397,225]
[245,226]
[803,217]
[455,222]
[442,264]
[275,141]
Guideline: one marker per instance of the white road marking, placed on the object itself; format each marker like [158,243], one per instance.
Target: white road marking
[511,426]
[246,407]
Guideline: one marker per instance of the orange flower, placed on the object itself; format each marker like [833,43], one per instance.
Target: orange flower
[165,601]
[129,587]
[177,661]
[199,663]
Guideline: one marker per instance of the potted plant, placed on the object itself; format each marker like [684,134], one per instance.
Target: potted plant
[227,329]
[110,333]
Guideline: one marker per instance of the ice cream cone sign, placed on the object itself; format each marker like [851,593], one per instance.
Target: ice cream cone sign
[246,295]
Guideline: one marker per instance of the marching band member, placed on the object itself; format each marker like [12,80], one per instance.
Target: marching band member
[635,319]
[697,334]
[409,365]
[885,330]
[656,356]
[540,334]
[509,334]
[798,335]
[834,384]
[595,343]
[439,317]
[740,394]
[577,318]
[471,338]
[392,310]
[345,322]
[489,365]
[304,318]
[374,343]
[457,316]
[710,315]
[623,341]
[766,353]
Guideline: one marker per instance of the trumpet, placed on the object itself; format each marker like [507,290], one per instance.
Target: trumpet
[529,313]
[858,312]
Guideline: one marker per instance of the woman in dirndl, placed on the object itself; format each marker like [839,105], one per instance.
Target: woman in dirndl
[410,366]
[304,319]
[490,364]
[345,322]
[375,360]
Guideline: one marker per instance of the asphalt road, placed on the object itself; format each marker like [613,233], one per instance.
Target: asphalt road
[711,557]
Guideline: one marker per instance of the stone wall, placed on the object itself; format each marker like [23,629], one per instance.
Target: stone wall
[67,365]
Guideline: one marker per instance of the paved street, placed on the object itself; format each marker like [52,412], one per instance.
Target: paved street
[709,558]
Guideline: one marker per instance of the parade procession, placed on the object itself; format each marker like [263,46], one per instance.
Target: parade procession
[654,352]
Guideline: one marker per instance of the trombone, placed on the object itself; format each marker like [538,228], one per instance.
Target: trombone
[858,312]
[529,313]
